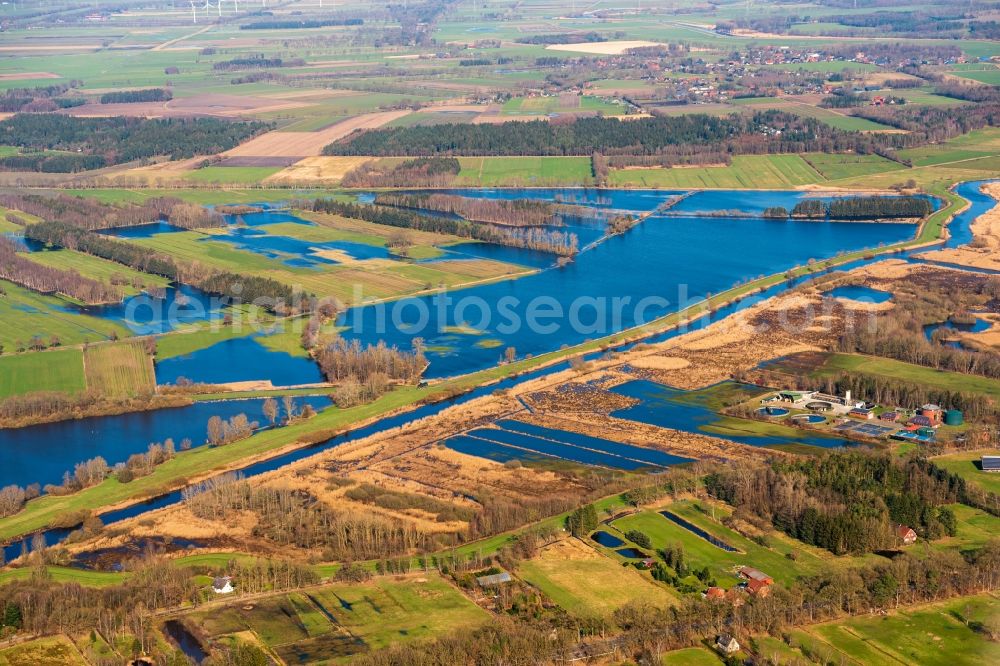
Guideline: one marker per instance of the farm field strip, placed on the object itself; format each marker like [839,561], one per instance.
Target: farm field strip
[120,370]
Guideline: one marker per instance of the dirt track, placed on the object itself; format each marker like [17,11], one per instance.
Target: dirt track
[310,144]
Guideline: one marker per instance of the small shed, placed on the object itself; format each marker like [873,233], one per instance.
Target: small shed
[493,580]
[891,417]
[906,534]
[755,574]
[991,463]
[862,413]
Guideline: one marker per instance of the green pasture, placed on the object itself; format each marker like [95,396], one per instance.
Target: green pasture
[57,370]
[745,172]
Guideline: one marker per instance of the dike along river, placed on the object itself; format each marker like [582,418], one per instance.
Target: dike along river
[710,254]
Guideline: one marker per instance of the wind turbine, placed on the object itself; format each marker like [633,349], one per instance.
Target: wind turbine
[194,12]
[236,6]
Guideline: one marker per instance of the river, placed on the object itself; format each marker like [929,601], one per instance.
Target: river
[649,259]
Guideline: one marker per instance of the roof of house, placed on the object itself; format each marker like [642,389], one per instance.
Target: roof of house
[725,639]
[931,407]
[920,420]
[755,585]
[493,580]
[755,574]
[715,593]
[904,531]
[220,582]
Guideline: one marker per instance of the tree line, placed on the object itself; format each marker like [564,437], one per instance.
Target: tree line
[108,141]
[762,132]
[292,517]
[505,212]
[300,24]
[422,171]
[544,240]
[137,96]
[17,268]
[848,502]
[232,287]
[42,98]
[860,208]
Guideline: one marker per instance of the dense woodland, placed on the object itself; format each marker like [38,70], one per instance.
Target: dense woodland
[862,208]
[544,240]
[93,215]
[643,136]
[844,502]
[107,141]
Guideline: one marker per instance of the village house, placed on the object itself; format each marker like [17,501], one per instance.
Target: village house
[726,644]
[906,535]
[222,585]
[758,588]
[715,593]
[990,463]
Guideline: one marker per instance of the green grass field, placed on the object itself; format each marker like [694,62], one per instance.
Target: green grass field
[531,171]
[988,74]
[772,560]
[240,175]
[196,246]
[941,154]
[52,651]
[583,581]
[745,172]
[534,106]
[838,120]
[332,622]
[691,657]
[24,314]
[884,367]
[58,370]
[98,269]
[967,466]
[835,167]
[387,611]
[930,636]
[85,577]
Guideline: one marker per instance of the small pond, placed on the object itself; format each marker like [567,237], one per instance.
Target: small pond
[859,293]
[607,540]
[691,527]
